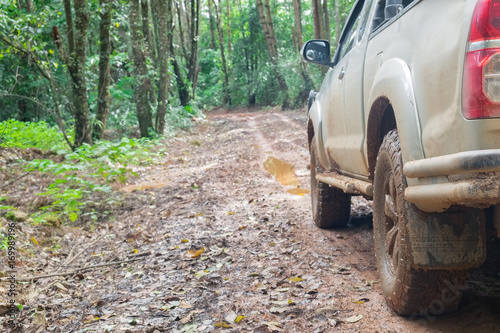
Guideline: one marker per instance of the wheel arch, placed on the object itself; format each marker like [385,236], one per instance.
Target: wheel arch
[314,132]
[393,106]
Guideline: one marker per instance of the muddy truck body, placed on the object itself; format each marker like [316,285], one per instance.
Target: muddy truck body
[408,116]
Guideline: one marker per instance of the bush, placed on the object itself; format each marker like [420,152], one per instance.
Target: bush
[39,135]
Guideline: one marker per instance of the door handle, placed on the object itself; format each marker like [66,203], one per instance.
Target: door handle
[341,74]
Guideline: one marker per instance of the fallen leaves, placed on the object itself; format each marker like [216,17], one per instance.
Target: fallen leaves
[353,319]
[294,279]
[195,253]
[190,316]
[273,326]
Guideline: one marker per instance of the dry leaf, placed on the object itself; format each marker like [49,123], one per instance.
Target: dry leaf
[274,326]
[60,287]
[33,239]
[295,279]
[282,303]
[231,317]
[184,240]
[185,305]
[222,324]
[276,310]
[195,253]
[238,319]
[353,319]
[201,274]
[326,310]
[189,317]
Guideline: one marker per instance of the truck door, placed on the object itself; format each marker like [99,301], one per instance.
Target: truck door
[353,94]
[336,117]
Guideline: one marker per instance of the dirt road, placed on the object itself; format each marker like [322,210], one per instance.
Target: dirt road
[222,244]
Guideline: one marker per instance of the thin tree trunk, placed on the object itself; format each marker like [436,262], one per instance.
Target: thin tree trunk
[308,84]
[326,21]
[146,29]
[29,6]
[181,30]
[212,29]
[318,19]
[155,40]
[218,13]
[337,22]
[193,68]
[229,36]
[83,130]
[181,86]
[272,46]
[103,95]
[165,28]
[148,50]
[142,81]
[269,21]
[298,22]
[69,26]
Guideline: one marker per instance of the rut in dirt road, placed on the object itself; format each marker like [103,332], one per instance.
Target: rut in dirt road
[226,247]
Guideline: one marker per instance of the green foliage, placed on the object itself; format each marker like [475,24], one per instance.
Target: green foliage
[39,135]
[2,207]
[4,242]
[181,117]
[88,173]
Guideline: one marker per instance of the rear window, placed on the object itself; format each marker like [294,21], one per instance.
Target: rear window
[387,9]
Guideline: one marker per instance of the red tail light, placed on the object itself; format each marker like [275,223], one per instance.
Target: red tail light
[481,82]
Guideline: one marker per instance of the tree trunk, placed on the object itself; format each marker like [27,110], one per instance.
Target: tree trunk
[146,30]
[272,48]
[83,130]
[142,81]
[181,30]
[181,86]
[337,22]
[212,29]
[103,95]
[193,68]
[298,22]
[29,6]
[165,35]
[148,42]
[229,36]
[69,26]
[218,14]
[318,19]
[326,21]
[308,84]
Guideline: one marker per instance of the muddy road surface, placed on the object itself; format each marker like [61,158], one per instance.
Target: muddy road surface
[222,240]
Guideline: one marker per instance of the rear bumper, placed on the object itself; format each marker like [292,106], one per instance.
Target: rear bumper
[468,178]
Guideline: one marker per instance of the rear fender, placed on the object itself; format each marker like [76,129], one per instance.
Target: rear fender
[315,133]
[393,82]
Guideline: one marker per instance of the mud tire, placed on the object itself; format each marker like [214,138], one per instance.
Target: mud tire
[331,207]
[408,291]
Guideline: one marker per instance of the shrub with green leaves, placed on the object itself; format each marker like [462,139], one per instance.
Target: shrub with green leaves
[40,135]
[88,172]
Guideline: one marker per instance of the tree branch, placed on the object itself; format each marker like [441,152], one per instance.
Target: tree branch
[27,53]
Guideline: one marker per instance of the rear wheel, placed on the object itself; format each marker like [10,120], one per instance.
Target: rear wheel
[331,207]
[407,290]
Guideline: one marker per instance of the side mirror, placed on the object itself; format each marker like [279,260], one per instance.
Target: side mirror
[317,51]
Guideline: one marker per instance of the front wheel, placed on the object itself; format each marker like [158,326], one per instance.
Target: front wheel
[331,207]
[408,291]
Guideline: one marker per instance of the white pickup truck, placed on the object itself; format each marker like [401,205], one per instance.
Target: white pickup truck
[408,116]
